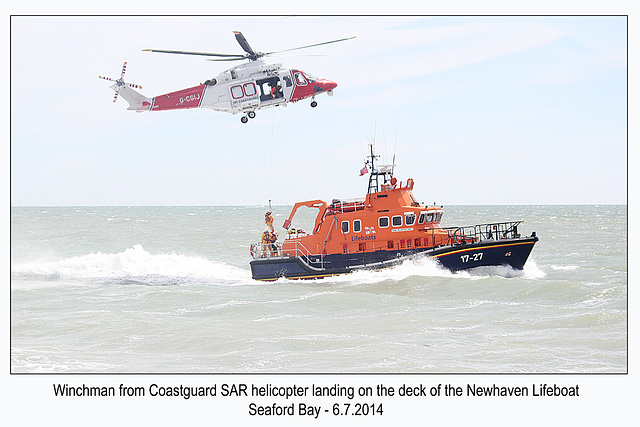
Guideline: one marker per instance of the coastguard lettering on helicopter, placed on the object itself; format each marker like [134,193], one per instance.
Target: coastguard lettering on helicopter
[243,100]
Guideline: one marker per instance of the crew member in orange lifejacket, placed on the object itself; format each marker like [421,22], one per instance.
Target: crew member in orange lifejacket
[268,219]
[276,91]
[269,237]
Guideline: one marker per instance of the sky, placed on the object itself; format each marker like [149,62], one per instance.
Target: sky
[477,110]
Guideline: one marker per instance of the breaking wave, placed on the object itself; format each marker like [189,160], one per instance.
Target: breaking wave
[132,266]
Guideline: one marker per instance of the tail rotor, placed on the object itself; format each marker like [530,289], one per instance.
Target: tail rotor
[120,82]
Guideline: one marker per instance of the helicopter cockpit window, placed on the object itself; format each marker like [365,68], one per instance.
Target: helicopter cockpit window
[300,79]
[287,81]
[310,77]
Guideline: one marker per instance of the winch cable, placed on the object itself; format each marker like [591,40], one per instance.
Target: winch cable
[271,156]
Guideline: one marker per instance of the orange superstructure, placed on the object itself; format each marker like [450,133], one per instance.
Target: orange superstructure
[384,220]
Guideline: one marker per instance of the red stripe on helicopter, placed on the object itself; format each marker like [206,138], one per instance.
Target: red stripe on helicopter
[182,99]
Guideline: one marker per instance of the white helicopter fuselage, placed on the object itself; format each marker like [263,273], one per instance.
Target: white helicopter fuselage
[249,87]
[241,89]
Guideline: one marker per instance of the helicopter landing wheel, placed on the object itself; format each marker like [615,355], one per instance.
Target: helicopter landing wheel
[244,119]
[314,104]
[251,114]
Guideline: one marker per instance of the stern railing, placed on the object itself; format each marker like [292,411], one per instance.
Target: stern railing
[482,232]
[293,249]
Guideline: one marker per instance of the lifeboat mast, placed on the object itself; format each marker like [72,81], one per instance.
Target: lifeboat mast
[385,171]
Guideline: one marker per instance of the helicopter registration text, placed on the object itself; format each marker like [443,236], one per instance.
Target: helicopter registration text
[194,97]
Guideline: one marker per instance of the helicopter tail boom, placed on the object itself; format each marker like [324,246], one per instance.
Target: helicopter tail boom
[186,98]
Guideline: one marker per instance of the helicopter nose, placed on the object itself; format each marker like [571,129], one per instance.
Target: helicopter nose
[324,85]
[329,85]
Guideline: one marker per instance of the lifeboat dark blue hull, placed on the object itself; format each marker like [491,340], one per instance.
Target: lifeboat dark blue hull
[507,252]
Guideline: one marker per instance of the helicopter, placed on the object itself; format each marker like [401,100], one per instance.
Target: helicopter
[245,88]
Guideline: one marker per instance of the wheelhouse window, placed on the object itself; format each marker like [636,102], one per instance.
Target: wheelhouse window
[421,218]
[430,217]
[410,219]
[396,221]
[383,222]
[345,226]
[357,226]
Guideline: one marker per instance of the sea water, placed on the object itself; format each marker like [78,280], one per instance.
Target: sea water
[169,289]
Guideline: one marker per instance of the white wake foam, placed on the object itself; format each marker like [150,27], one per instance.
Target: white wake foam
[133,264]
[564,267]
[427,267]
[421,267]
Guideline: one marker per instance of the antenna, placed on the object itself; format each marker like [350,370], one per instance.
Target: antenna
[375,127]
[395,144]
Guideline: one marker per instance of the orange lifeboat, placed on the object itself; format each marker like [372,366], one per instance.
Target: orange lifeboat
[383,229]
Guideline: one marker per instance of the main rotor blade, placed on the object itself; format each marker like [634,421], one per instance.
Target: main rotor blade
[244,43]
[311,45]
[251,54]
[184,52]
[228,59]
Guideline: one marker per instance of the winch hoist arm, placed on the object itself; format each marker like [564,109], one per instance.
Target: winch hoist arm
[318,204]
